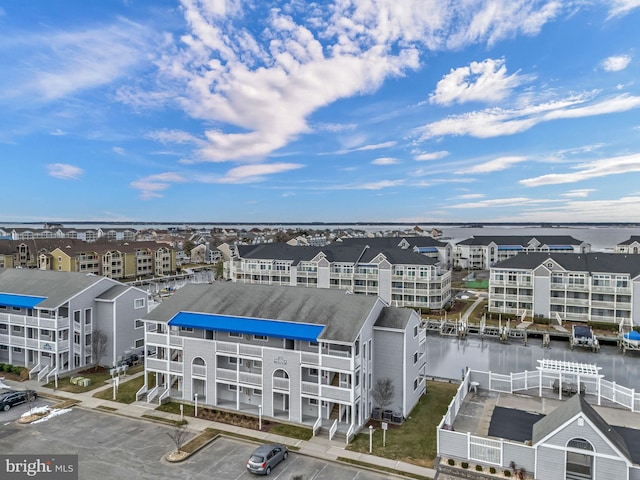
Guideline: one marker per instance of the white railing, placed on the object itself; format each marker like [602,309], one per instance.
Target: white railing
[316,426]
[500,383]
[336,393]
[338,363]
[199,370]
[156,339]
[155,364]
[227,374]
[175,367]
[34,370]
[310,358]
[485,450]
[333,429]
[250,350]
[250,378]
[310,388]
[175,340]
[281,383]
[52,373]
[152,394]
[226,347]
[141,392]
[43,373]
[351,433]
[164,395]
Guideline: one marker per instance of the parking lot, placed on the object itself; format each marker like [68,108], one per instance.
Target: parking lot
[110,446]
[16,412]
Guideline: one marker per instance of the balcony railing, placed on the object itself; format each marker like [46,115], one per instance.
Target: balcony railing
[336,393]
[175,367]
[227,374]
[250,378]
[281,383]
[199,370]
[310,388]
[156,339]
[155,364]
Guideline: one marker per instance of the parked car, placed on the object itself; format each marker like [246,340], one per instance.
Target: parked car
[11,399]
[265,457]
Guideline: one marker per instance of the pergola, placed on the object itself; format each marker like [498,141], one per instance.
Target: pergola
[571,377]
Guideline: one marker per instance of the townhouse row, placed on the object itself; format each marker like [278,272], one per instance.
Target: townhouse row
[600,287]
[400,276]
[117,260]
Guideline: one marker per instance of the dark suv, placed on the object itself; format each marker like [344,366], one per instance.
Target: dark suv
[11,399]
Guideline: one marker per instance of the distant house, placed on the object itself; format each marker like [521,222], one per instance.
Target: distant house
[632,245]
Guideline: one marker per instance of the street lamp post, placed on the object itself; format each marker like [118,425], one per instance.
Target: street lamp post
[196,409]
[370,438]
[260,417]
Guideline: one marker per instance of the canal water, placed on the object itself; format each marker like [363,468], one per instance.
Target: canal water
[447,357]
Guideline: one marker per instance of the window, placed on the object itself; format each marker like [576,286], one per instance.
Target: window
[87,316]
[313,401]
[415,358]
[16,328]
[3,326]
[313,344]
[260,337]
[4,347]
[415,384]
[17,350]
[15,309]
[415,331]
[138,303]
[138,323]
[186,329]
[313,372]
[233,387]
[139,343]
[87,340]
[235,335]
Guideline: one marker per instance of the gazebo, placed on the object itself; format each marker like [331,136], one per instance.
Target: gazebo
[569,378]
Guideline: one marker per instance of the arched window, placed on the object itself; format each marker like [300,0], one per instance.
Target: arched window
[579,465]
[199,361]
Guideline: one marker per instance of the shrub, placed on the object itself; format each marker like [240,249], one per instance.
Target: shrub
[507,473]
[1,366]
[16,370]
[478,468]
[7,368]
[464,464]
[492,469]
[451,462]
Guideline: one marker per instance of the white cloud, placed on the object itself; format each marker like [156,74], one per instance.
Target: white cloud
[254,173]
[622,7]
[495,122]
[495,165]
[76,60]
[608,210]
[365,148]
[580,193]
[260,90]
[378,185]
[57,133]
[119,150]
[485,81]
[174,137]
[501,202]
[153,185]
[385,161]
[589,170]
[616,63]
[431,156]
[471,196]
[65,171]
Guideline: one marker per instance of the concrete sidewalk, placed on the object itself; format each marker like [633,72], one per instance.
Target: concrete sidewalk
[319,447]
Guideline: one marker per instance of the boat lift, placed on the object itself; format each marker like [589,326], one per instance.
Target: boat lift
[582,336]
[628,338]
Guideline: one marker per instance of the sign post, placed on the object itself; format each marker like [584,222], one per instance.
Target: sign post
[370,438]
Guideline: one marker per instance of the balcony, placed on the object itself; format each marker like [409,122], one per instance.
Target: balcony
[309,358]
[226,374]
[310,388]
[156,339]
[156,364]
[281,384]
[176,367]
[198,370]
[338,363]
[254,379]
[329,392]
[175,341]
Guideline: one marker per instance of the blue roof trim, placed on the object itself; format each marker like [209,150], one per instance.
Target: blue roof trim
[560,247]
[510,247]
[427,249]
[21,301]
[252,326]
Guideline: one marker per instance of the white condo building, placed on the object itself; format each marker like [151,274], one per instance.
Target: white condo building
[309,356]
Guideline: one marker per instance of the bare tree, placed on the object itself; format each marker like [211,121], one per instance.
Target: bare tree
[383,392]
[178,435]
[99,342]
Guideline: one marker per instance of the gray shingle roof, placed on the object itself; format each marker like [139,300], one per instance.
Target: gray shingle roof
[341,313]
[58,287]
[113,292]
[595,262]
[349,253]
[522,240]
[570,409]
[391,242]
[396,318]
[632,239]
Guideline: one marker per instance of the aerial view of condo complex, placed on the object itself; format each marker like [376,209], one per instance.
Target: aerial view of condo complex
[339,240]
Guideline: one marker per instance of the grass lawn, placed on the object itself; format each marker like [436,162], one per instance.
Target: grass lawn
[415,440]
[126,390]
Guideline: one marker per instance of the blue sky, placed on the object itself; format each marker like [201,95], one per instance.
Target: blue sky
[294,111]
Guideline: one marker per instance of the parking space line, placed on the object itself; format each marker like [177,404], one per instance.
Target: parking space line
[318,472]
